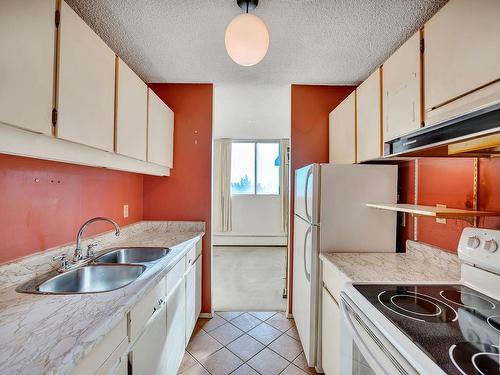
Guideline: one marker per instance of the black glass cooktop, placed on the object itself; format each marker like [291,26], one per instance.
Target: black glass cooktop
[456,326]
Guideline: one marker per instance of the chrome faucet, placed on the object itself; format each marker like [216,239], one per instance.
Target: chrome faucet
[78,256]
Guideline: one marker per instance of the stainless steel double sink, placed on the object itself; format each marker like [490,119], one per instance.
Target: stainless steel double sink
[113,269]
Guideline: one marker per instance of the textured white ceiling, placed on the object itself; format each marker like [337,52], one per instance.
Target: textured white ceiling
[311,41]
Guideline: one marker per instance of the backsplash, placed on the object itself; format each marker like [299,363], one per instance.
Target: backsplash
[449,182]
[43,203]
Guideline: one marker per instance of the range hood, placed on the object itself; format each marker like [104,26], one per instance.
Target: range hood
[474,134]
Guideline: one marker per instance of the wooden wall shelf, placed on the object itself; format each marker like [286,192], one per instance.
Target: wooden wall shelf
[433,211]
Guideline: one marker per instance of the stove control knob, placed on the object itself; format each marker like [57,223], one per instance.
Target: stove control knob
[473,242]
[491,246]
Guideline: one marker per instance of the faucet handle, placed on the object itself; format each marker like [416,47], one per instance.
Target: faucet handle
[90,249]
[64,260]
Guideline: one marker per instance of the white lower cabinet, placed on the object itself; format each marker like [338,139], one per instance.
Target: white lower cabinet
[108,355]
[149,354]
[193,296]
[198,285]
[122,368]
[176,326]
[190,301]
[153,338]
[330,334]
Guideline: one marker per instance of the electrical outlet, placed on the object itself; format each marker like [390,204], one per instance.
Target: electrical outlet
[441,220]
[125,210]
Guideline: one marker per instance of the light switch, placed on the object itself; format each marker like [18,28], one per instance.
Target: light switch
[125,210]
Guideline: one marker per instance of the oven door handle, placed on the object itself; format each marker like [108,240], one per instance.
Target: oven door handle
[359,340]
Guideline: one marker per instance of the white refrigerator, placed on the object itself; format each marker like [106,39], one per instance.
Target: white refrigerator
[331,215]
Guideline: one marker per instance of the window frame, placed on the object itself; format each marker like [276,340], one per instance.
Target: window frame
[255,142]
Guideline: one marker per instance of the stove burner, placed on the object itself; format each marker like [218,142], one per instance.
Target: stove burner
[475,358]
[494,321]
[417,306]
[423,307]
[465,299]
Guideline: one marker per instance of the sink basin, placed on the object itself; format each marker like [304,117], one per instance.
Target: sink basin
[91,279]
[133,255]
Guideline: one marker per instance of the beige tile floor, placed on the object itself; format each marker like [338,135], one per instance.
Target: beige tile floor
[245,343]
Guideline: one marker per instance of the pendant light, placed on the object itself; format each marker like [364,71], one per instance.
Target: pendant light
[247,38]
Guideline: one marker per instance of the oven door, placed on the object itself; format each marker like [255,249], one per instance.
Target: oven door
[370,352]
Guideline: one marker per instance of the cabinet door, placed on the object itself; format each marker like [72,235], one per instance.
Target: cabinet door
[86,84]
[343,132]
[131,114]
[190,301]
[176,327]
[401,82]
[149,355]
[160,131]
[197,306]
[330,335]
[122,368]
[369,118]
[140,314]
[27,64]
[462,53]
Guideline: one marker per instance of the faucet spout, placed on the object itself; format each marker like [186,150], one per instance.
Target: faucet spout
[78,250]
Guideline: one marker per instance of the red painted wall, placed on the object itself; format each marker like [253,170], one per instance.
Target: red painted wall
[35,216]
[311,106]
[186,194]
[449,182]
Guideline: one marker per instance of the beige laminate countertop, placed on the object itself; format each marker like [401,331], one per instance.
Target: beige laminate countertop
[50,334]
[420,263]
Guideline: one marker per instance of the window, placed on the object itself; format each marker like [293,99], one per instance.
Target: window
[255,168]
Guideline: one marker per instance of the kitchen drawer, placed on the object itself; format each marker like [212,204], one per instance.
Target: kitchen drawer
[175,275]
[333,280]
[106,353]
[190,257]
[142,311]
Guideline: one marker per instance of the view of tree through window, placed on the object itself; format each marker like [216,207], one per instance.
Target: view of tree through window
[255,168]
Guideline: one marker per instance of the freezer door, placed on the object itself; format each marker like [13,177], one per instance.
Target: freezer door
[350,226]
[306,193]
[305,285]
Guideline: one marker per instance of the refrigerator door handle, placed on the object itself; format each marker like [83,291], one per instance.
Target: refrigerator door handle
[309,173]
[308,274]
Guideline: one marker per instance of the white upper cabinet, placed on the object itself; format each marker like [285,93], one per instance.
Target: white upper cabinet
[131,113]
[369,118]
[343,132]
[86,84]
[401,82]
[160,131]
[462,56]
[27,63]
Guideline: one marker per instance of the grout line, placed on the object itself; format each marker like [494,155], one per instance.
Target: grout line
[264,346]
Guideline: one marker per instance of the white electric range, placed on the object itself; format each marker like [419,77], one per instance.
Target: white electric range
[427,328]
